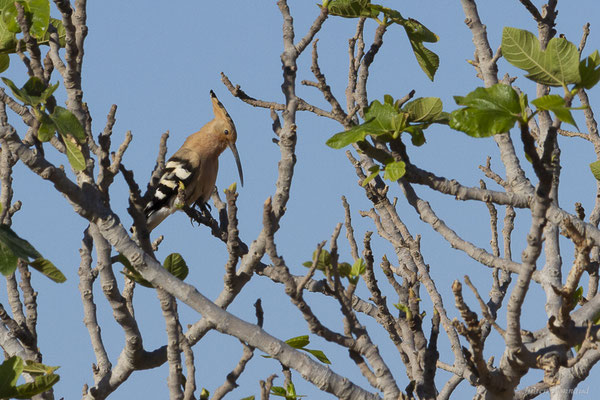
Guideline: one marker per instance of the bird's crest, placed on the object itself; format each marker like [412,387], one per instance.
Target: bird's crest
[219,110]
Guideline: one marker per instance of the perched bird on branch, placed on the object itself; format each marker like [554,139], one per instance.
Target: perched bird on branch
[191,172]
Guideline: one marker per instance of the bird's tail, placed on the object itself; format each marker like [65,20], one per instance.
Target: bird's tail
[157,216]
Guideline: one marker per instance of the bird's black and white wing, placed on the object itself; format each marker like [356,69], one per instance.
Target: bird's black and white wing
[178,173]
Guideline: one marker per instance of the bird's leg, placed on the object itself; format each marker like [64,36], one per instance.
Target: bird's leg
[199,212]
[205,208]
[195,215]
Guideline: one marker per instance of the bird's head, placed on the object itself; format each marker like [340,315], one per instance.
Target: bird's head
[225,131]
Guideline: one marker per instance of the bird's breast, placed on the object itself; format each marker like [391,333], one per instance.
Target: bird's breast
[207,176]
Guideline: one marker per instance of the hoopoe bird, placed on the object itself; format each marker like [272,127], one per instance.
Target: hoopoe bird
[193,168]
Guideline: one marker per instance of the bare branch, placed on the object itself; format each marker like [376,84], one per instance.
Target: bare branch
[584,36]
[535,13]
[87,276]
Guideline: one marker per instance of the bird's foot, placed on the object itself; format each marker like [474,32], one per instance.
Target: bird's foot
[205,208]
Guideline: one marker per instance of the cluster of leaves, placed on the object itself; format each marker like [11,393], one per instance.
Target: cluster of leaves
[174,263]
[493,110]
[344,269]
[12,368]
[557,65]
[288,393]
[37,14]
[406,310]
[300,343]
[12,247]
[386,122]
[416,32]
[37,94]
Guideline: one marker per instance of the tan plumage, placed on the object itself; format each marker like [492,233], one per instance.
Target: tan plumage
[194,166]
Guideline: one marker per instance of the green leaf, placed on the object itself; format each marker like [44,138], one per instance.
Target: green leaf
[557,105]
[523,104]
[418,32]
[480,123]
[47,128]
[595,167]
[381,119]
[394,170]
[74,155]
[344,269]
[500,97]
[577,295]
[9,16]
[37,13]
[589,69]
[34,87]
[35,368]
[4,62]
[131,273]
[248,398]
[4,3]
[40,17]
[67,124]
[323,262]
[10,370]
[8,261]
[11,248]
[351,8]
[424,109]
[444,118]
[385,118]
[298,342]
[374,172]
[16,91]
[427,59]
[488,111]
[549,102]
[49,91]
[8,39]
[404,308]
[319,355]
[278,391]
[352,135]
[39,385]
[418,137]
[175,264]
[358,268]
[47,268]
[34,91]
[291,391]
[558,65]
[60,30]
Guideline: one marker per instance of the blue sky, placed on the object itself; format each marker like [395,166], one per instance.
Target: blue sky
[157,61]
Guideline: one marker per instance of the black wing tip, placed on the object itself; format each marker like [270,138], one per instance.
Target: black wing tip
[212,94]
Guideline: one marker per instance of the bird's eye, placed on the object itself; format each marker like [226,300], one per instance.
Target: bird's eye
[226,132]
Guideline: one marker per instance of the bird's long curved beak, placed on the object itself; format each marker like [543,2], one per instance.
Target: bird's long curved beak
[237,161]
